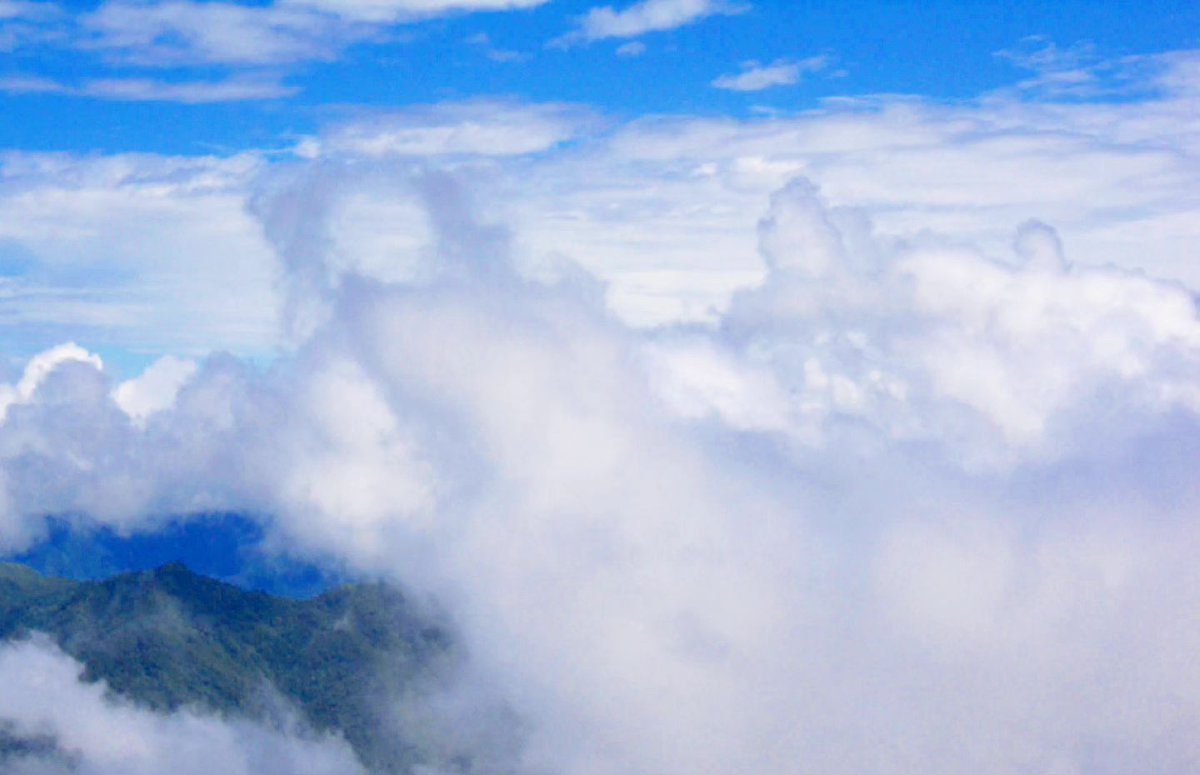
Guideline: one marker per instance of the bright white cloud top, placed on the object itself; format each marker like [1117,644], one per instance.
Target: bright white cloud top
[855,435]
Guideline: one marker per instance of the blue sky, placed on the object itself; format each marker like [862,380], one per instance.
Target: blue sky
[296,81]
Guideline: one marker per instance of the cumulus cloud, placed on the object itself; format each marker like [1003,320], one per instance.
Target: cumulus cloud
[757,77]
[1024,342]
[69,726]
[155,388]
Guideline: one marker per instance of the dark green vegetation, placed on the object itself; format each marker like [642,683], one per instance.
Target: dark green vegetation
[169,637]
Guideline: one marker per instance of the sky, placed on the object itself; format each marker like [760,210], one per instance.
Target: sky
[760,386]
[196,78]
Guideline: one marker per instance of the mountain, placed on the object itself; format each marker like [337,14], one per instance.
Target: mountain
[169,637]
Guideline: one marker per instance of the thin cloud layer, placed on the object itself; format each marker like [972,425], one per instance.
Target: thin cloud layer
[481,128]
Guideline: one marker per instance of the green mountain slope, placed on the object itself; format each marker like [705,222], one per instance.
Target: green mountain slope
[170,637]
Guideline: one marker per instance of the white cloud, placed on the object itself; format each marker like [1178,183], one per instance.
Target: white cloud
[1079,72]
[77,728]
[178,33]
[648,16]
[154,389]
[689,589]
[756,77]
[187,92]
[149,90]
[1022,343]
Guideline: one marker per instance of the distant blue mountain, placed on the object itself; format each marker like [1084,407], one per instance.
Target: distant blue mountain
[225,546]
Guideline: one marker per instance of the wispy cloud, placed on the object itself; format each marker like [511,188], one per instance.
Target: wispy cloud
[25,24]
[235,89]
[757,77]
[242,38]
[183,33]
[1079,72]
[647,16]
[390,11]
[27,9]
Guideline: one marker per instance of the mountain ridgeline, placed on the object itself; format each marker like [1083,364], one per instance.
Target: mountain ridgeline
[168,638]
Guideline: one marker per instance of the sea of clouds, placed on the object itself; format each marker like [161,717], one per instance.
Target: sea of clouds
[803,445]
